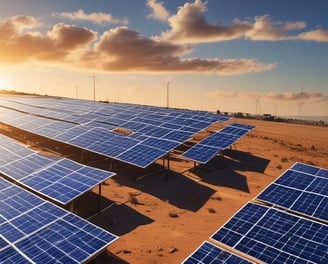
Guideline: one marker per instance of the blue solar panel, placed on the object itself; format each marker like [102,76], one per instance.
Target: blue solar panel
[163,144]
[141,155]
[299,191]
[213,144]
[133,125]
[60,179]
[301,167]
[155,131]
[179,136]
[201,153]
[274,236]
[41,232]
[243,126]
[234,131]
[107,148]
[66,135]
[10,255]
[208,253]
[170,124]
[65,180]
[219,140]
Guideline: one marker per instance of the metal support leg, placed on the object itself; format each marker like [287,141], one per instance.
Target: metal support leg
[168,167]
[72,207]
[99,198]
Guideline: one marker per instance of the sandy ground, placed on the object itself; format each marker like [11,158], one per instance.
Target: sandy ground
[163,219]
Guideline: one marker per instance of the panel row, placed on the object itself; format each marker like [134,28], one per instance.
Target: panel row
[36,231]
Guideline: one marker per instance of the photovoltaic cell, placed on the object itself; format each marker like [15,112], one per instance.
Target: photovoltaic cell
[275,236]
[209,253]
[302,188]
[40,232]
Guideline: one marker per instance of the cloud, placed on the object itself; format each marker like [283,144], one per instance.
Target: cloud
[296,96]
[158,10]
[58,43]
[266,30]
[272,96]
[128,50]
[16,25]
[318,35]
[118,49]
[189,25]
[97,18]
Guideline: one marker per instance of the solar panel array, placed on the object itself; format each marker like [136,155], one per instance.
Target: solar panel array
[156,130]
[302,189]
[274,236]
[216,142]
[210,253]
[59,179]
[33,230]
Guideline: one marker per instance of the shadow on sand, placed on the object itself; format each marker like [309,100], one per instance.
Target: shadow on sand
[225,172]
[117,219]
[177,189]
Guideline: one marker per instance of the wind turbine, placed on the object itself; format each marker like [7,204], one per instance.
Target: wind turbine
[167,93]
[94,85]
[257,105]
[300,105]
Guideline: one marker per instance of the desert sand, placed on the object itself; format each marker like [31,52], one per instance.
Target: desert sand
[163,219]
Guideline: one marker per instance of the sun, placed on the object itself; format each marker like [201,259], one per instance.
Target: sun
[4,83]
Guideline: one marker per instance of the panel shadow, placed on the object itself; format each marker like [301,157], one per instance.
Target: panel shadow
[117,219]
[177,189]
[223,171]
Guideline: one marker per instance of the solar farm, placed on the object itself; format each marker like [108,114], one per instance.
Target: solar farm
[67,165]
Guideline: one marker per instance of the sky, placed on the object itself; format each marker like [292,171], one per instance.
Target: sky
[258,57]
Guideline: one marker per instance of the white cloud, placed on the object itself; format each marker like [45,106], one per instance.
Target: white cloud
[97,18]
[158,10]
[189,25]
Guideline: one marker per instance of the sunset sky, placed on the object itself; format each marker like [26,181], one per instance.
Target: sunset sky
[233,55]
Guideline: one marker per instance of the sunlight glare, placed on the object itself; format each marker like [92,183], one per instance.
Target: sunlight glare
[4,83]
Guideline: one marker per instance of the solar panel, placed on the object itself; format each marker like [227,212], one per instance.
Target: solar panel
[179,136]
[141,155]
[201,153]
[64,180]
[216,142]
[275,236]
[299,191]
[208,253]
[159,143]
[71,133]
[301,167]
[219,140]
[36,231]
[243,126]
[162,123]
[59,179]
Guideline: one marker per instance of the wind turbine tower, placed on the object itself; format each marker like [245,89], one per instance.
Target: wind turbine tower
[167,93]
[94,85]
